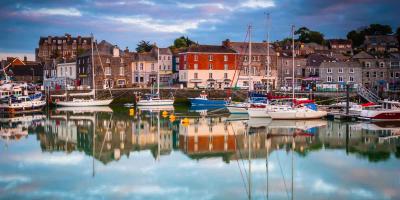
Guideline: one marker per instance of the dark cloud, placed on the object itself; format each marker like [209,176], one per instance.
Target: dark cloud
[127,22]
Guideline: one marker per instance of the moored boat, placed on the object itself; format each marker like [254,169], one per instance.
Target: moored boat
[203,100]
[389,111]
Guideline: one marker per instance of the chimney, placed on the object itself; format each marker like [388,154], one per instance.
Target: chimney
[115,51]
[25,59]
[126,50]
[226,43]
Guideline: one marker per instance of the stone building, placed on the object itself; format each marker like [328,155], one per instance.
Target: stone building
[341,46]
[285,71]
[165,65]
[381,43]
[375,71]
[111,67]
[394,73]
[340,73]
[259,63]
[66,47]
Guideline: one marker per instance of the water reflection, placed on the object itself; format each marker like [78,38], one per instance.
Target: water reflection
[231,155]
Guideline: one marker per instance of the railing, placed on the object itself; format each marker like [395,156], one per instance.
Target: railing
[367,94]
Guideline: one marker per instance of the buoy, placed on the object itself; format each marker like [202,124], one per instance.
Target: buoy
[164,113]
[172,116]
[131,112]
[185,120]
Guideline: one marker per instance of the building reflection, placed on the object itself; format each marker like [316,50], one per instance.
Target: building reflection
[111,136]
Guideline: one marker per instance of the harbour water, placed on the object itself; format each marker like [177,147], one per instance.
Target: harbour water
[119,154]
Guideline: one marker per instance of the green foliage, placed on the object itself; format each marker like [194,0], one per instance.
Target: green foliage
[144,46]
[308,36]
[358,37]
[182,42]
[80,51]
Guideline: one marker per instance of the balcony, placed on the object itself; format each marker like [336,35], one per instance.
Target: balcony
[195,80]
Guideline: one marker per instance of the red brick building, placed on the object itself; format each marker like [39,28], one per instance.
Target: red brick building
[207,66]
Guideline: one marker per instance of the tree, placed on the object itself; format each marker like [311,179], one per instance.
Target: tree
[144,46]
[308,36]
[358,36]
[182,42]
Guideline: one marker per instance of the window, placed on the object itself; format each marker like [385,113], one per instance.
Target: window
[397,75]
[329,79]
[351,70]
[225,58]
[298,71]
[374,74]
[381,64]
[391,74]
[196,75]
[329,70]
[121,82]
[225,75]
[210,76]
[382,74]
[184,66]
[340,70]
[245,58]
[258,58]
[196,57]
[225,66]
[210,66]
[254,58]
[351,79]
[286,71]
[141,66]
[108,70]
[184,57]
[210,57]
[367,64]
[121,71]
[152,67]
[196,66]
[367,74]
[340,78]
[107,60]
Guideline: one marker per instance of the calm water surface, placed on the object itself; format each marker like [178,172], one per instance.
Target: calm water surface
[110,154]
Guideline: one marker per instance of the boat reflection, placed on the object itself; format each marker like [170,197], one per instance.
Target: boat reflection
[110,136]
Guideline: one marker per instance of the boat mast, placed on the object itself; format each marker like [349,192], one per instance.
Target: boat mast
[293,62]
[158,72]
[268,67]
[249,62]
[93,82]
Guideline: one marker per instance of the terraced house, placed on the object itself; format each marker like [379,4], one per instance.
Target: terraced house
[111,67]
[207,66]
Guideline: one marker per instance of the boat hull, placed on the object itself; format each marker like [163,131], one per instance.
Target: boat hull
[207,102]
[84,103]
[258,112]
[22,108]
[158,102]
[237,109]
[380,115]
[295,114]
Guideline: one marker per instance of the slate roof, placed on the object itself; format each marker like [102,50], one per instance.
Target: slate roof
[363,55]
[209,49]
[315,60]
[145,56]
[67,37]
[165,51]
[256,48]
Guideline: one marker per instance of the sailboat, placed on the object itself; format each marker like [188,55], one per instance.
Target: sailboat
[154,99]
[77,102]
[297,111]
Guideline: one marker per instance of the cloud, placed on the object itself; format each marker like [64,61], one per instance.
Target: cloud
[52,159]
[163,26]
[70,12]
[249,4]
[321,186]
[257,4]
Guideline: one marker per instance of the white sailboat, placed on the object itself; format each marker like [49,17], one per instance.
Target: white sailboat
[155,100]
[78,102]
[296,112]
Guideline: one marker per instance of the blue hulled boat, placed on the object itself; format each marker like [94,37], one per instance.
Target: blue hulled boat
[204,101]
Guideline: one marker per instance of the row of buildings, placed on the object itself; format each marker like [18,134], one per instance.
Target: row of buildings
[67,61]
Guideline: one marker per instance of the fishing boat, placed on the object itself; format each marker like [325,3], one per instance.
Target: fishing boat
[388,111]
[203,100]
[154,99]
[81,102]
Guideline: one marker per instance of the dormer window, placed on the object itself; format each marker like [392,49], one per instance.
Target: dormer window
[382,64]
[367,64]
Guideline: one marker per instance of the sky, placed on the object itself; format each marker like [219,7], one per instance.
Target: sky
[125,23]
